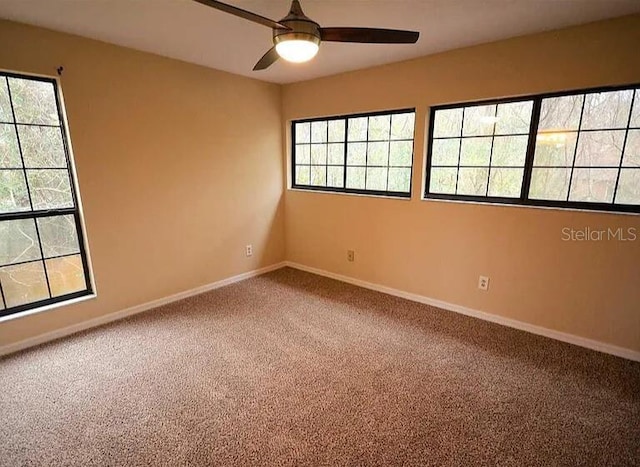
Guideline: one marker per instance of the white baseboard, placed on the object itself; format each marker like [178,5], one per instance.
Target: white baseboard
[108,318]
[512,323]
[561,336]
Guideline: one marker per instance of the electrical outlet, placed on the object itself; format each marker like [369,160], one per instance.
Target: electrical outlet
[249,250]
[351,256]
[483,283]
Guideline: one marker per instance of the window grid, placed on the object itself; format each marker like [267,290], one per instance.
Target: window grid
[389,152]
[35,213]
[624,143]
[366,152]
[460,149]
[26,179]
[488,135]
[529,163]
[493,138]
[579,133]
[575,150]
[346,142]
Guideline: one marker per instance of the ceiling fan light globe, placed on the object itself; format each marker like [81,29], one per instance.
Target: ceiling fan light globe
[297,47]
[297,50]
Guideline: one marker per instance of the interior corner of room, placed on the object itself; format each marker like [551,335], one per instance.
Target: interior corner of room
[187,179]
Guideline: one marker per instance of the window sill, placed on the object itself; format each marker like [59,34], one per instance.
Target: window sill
[527,206]
[342,193]
[22,314]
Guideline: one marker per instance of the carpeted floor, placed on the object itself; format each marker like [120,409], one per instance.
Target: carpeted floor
[294,369]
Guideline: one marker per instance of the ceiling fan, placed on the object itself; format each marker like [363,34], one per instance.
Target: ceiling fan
[296,37]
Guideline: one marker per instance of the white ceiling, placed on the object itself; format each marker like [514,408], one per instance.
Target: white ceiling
[195,33]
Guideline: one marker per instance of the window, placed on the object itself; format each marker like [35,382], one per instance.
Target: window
[365,153]
[578,149]
[42,253]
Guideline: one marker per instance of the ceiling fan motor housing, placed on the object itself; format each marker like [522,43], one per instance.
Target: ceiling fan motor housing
[305,30]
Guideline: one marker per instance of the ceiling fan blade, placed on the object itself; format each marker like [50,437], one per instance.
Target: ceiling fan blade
[369,35]
[242,14]
[267,59]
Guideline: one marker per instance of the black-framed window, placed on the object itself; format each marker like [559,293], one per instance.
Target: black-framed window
[42,252]
[363,153]
[577,149]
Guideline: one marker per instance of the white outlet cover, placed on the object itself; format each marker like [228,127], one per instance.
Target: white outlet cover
[483,283]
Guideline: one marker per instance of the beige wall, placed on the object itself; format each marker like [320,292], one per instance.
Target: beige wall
[173,188]
[179,168]
[438,249]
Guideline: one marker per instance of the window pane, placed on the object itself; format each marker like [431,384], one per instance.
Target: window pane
[355,177]
[303,176]
[514,118]
[586,148]
[379,127]
[303,153]
[318,175]
[50,189]
[335,177]
[336,130]
[356,153]
[364,141]
[560,113]
[303,132]
[628,187]
[593,185]
[606,110]
[479,120]
[34,101]
[378,153]
[402,126]
[555,149]
[443,180]
[632,150]
[23,283]
[505,183]
[447,123]
[5,105]
[473,181]
[509,150]
[401,153]
[42,147]
[319,132]
[9,151]
[58,235]
[358,129]
[18,241]
[445,151]
[599,148]
[318,154]
[475,151]
[13,191]
[399,179]
[66,275]
[34,175]
[376,178]
[336,154]
[550,184]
